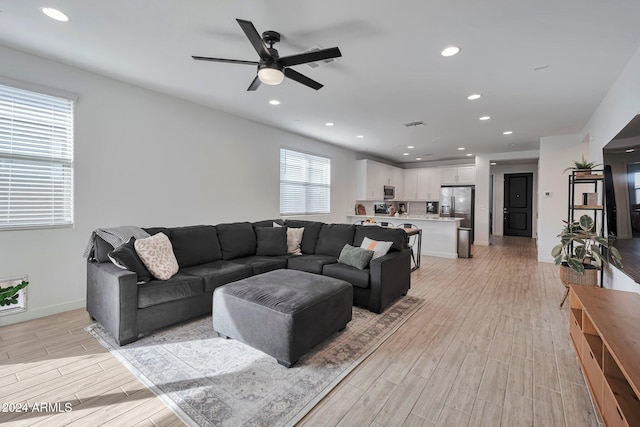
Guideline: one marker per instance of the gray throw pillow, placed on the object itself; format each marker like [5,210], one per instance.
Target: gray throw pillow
[125,257]
[355,257]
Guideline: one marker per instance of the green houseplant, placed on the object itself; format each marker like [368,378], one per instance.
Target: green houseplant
[9,295]
[582,166]
[580,245]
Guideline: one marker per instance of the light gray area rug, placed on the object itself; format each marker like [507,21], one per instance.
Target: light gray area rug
[210,381]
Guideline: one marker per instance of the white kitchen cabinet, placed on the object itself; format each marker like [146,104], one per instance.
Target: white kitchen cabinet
[433,185]
[373,176]
[397,180]
[458,175]
[422,184]
[411,184]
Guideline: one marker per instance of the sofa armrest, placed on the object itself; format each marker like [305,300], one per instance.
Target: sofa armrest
[112,300]
[390,278]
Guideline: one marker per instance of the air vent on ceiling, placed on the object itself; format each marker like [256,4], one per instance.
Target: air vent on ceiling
[318,63]
[414,124]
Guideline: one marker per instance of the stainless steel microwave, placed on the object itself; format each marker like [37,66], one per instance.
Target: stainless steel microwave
[389,192]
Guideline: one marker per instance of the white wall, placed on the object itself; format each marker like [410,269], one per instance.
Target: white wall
[144,158]
[618,107]
[556,154]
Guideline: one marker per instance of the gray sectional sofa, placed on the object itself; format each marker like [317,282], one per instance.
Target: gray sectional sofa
[211,256]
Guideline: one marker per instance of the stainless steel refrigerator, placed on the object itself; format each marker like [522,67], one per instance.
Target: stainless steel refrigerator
[457,202]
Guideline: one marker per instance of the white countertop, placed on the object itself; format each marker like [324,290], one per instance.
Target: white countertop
[404,217]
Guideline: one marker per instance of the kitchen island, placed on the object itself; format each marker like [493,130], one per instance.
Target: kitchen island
[439,234]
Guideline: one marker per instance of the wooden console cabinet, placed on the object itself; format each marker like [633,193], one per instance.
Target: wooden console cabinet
[604,326]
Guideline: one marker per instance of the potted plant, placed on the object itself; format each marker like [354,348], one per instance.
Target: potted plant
[579,253]
[582,167]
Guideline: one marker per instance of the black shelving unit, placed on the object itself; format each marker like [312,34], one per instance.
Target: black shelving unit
[587,183]
[595,182]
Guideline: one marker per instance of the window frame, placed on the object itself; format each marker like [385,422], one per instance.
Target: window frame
[47,158]
[306,184]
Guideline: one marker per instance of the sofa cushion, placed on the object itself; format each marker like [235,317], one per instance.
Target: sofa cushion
[358,278]
[126,257]
[271,241]
[218,273]
[333,237]
[267,223]
[395,235]
[310,235]
[157,255]
[262,264]
[195,245]
[180,286]
[379,248]
[310,263]
[355,257]
[156,230]
[236,240]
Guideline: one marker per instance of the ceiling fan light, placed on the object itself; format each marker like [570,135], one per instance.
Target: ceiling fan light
[270,76]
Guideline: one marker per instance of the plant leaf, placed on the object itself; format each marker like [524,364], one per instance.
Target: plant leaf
[575,265]
[557,250]
[586,222]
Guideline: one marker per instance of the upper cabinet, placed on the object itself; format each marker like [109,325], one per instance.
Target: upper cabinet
[373,176]
[458,175]
[421,184]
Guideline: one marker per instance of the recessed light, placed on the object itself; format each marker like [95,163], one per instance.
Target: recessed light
[55,14]
[461,148]
[485,117]
[493,163]
[409,146]
[329,124]
[629,150]
[405,154]
[450,51]
[469,154]
[418,158]
[360,136]
[513,144]
[474,96]
[507,132]
[274,102]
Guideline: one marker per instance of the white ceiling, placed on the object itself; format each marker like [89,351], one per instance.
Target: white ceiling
[391,71]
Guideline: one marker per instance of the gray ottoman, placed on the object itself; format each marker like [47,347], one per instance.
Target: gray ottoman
[283,313]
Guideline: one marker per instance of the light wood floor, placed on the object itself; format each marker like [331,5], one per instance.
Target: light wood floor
[490,347]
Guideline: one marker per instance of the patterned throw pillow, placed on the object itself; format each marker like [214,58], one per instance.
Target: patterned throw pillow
[157,255]
[379,248]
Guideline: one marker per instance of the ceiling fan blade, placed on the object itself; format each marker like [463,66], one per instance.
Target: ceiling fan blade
[301,78]
[232,61]
[303,58]
[254,84]
[255,38]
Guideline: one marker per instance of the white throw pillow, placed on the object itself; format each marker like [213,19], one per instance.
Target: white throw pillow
[379,248]
[294,239]
[156,253]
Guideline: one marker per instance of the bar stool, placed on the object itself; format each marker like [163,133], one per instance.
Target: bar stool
[413,239]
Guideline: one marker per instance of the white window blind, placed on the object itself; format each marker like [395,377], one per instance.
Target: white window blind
[305,183]
[36,159]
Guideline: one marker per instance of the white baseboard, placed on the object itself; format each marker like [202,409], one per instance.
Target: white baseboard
[41,312]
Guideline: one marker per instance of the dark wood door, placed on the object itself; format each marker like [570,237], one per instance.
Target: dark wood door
[518,201]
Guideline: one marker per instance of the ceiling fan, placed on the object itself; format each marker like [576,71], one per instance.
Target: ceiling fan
[272,69]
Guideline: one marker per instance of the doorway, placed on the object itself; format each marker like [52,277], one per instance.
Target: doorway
[518,204]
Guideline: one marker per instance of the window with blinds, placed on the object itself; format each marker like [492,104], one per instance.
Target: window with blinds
[36,160]
[305,183]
